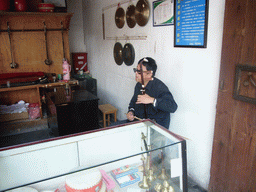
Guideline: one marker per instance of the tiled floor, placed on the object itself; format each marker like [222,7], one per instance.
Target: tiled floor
[41,131]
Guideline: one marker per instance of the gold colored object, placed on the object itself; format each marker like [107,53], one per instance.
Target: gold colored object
[144,184]
[171,189]
[151,176]
[158,187]
[119,17]
[118,52]
[163,175]
[142,12]
[128,54]
[130,16]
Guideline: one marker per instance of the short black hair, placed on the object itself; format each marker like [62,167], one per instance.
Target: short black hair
[150,64]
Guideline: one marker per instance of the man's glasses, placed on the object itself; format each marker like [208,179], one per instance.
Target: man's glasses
[138,71]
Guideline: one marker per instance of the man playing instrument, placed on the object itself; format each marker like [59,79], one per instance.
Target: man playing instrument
[152,98]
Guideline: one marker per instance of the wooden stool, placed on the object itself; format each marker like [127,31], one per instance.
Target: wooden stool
[107,109]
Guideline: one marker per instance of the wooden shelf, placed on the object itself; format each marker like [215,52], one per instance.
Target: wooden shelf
[35,13]
[29,94]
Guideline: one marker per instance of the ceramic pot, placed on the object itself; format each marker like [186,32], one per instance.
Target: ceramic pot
[20,5]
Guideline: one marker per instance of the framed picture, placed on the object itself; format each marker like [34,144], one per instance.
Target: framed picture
[190,23]
[245,83]
[163,12]
[60,5]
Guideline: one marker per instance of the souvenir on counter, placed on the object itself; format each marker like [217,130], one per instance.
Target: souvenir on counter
[86,182]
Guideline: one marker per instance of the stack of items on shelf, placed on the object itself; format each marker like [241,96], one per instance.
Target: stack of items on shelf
[125,175]
[85,182]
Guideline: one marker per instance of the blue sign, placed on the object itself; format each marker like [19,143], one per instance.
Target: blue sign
[190,23]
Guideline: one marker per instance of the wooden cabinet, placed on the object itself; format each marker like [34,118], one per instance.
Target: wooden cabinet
[77,111]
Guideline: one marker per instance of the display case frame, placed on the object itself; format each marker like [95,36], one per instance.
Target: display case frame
[44,165]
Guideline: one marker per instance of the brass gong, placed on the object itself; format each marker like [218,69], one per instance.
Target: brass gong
[130,16]
[119,17]
[142,12]
[118,52]
[128,54]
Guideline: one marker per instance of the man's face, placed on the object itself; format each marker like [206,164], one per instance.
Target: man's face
[147,75]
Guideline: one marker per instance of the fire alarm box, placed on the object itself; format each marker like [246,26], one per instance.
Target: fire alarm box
[79,62]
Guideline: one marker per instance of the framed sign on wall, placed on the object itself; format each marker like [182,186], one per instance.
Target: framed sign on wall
[163,12]
[190,23]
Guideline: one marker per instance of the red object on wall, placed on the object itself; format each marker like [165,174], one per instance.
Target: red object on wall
[4,5]
[20,5]
[79,60]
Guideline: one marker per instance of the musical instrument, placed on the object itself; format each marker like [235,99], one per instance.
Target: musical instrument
[130,16]
[143,91]
[128,54]
[142,12]
[118,52]
[120,17]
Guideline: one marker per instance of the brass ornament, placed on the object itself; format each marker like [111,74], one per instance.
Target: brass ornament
[142,12]
[128,54]
[118,52]
[130,16]
[120,17]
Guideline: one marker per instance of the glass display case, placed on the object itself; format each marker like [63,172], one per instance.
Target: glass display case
[138,156]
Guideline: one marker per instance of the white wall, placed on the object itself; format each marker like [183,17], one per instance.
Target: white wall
[190,73]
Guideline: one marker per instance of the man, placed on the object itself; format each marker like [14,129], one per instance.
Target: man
[158,99]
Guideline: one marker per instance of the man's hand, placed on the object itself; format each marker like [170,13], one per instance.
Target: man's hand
[145,99]
[130,116]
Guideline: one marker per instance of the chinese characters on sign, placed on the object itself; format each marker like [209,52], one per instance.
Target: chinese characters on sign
[163,12]
[190,23]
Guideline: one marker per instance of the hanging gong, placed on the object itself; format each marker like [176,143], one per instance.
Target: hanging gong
[130,16]
[142,12]
[118,52]
[128,54]
[119,17]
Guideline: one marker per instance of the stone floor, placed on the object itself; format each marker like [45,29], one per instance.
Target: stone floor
[39,130]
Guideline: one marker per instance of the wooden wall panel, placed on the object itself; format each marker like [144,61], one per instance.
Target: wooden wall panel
[234,145]
[29,48]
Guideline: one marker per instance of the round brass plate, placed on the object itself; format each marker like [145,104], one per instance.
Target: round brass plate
[130,16]
[118,52]
[119,17]
[142,12]
[128,54]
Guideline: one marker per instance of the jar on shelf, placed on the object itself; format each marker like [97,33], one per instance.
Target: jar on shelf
[20,5]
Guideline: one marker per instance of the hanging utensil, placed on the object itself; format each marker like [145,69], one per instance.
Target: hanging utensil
[47,61]
[128,54]
[12,64]
[118,53]
[119,17]
[142,12]
[130,16]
